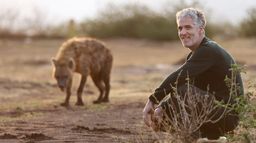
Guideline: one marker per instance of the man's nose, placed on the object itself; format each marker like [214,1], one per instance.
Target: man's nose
[182,32]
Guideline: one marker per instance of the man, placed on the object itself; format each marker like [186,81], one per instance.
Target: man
[207,65]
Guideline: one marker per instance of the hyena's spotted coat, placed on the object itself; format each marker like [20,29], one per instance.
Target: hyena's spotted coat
[86,56]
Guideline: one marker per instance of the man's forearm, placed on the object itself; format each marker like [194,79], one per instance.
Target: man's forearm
[159,94]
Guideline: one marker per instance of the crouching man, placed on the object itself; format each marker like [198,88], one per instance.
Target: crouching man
[207,66]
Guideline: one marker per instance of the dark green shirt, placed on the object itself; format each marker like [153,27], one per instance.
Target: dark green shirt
[207,67]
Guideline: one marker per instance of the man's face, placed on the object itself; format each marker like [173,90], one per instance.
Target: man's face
[190,34]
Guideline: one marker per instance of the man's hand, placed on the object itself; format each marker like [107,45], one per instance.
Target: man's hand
[148,112]
[157,118]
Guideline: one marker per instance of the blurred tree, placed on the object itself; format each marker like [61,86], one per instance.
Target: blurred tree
[131,21]
[138,21]
[37,24]
[247,26]
[8,20]
[71,29]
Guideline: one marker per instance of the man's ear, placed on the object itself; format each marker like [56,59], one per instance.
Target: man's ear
[54,61]
[71,63]
[202,30]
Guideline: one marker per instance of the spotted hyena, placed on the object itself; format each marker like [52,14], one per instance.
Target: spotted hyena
[86,56]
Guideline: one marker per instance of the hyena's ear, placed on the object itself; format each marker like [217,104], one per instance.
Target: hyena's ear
[71,63]
[54,61]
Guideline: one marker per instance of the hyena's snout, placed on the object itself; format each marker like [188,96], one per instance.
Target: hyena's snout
[62,83]
[62,88]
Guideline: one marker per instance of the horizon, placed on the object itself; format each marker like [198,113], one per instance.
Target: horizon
[79,10]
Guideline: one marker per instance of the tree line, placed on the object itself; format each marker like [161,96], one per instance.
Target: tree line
[127,21]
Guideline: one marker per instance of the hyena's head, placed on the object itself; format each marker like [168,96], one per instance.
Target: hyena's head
[63,72]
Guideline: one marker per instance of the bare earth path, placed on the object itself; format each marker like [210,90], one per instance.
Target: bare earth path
[29,98]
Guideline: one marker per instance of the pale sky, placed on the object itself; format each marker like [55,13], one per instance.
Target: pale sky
[60,10]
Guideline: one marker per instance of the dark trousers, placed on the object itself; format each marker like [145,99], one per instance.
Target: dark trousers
[221,119]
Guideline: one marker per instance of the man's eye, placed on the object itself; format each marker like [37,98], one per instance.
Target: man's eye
[188,27]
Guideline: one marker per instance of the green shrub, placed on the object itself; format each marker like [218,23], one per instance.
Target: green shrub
[131,21]
[137,21]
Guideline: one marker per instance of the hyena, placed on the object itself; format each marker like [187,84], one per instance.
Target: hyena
[86,56]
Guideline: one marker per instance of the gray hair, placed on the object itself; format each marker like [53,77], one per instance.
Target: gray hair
[196,15]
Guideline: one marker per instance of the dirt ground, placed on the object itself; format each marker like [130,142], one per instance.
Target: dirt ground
[29,98]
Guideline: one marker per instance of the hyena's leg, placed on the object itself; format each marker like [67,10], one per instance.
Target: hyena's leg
[80,91]
[107,88]
[98,82]
[68,93]
[105,74]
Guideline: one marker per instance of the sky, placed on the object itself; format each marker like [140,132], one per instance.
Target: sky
[62,10]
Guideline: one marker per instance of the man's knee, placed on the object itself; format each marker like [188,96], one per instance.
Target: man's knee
[214,130]
[191,90]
